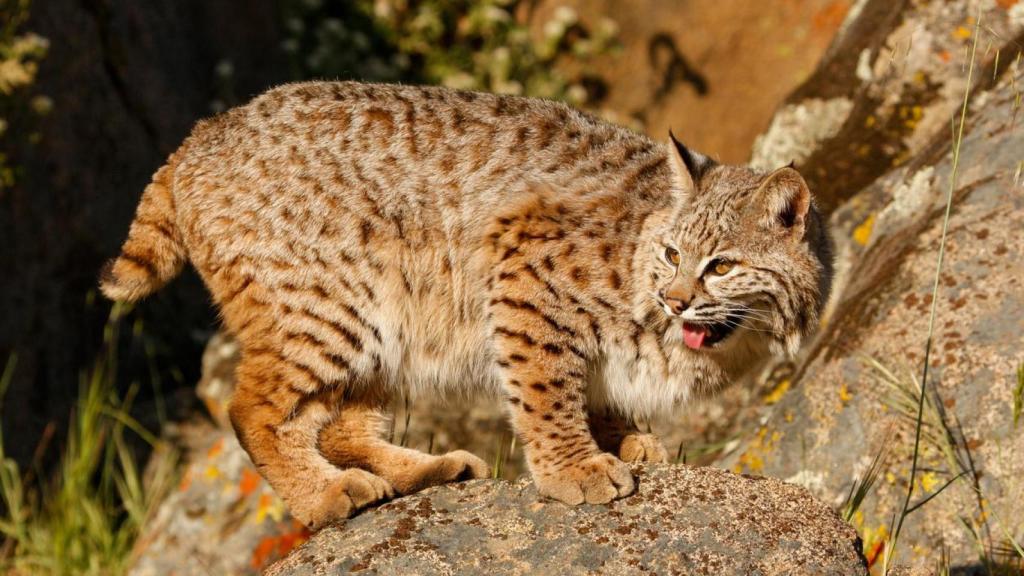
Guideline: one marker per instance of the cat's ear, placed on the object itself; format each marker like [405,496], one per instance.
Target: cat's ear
[784,199]
[688,167]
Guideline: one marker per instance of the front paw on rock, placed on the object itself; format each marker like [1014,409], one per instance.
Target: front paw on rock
[596,479]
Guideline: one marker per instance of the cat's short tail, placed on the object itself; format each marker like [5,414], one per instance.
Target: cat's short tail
[154,252]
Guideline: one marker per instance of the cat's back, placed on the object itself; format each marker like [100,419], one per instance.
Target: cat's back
[437,131]
[308,160]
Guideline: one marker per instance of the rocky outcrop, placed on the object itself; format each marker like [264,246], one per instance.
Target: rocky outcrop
[851,397]
[681,520]
[888,84]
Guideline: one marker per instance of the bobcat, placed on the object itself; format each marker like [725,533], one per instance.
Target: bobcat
[365,240]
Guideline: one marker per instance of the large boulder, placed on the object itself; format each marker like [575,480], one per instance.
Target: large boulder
[854,394]
[681,520]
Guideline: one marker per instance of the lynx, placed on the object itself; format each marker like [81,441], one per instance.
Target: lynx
[363,241]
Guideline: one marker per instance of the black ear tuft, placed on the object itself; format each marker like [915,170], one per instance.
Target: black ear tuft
[696,164]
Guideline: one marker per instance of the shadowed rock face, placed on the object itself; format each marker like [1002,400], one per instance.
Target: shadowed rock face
[128,80]
[682,520]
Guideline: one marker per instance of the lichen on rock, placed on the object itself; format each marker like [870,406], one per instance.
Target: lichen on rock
[681,520]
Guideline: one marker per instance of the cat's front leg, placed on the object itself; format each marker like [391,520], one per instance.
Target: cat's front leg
[544,370]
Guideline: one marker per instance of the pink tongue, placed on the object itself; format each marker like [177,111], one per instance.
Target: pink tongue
[693,335]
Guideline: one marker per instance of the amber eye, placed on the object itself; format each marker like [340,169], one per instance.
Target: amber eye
[672,256]
[722,267]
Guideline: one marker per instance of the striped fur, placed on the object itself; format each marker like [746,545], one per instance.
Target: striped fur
[363,240]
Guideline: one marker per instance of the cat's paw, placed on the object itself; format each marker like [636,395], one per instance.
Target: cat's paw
[454,466]
[597,479]
[642,448]
[460,465]
[350,491]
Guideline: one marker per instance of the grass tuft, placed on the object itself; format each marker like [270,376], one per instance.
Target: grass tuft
[862,486]
[505,450]
[86,518]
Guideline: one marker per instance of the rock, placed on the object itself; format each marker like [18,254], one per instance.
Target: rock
[849,399]
[681,520]
[685,65]
[890,81]
[223,518]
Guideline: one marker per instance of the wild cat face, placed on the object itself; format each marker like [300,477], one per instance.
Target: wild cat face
[742,260]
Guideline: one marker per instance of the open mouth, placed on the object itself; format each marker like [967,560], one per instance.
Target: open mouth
[708,334]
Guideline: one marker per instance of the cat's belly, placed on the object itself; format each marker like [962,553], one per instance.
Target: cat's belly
[459,364]
[436,343]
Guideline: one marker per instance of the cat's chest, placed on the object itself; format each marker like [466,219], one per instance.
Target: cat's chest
[641,377]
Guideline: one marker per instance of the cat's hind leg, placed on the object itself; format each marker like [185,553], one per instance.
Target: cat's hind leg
[619,435]
[354,438]
[278,410]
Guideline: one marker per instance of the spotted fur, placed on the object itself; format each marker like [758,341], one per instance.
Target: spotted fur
[363,241]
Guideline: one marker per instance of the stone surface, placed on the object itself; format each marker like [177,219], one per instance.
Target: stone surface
[887,85]
[844,408]
[682,520]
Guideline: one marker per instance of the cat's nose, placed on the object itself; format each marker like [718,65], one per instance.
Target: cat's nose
[676,305]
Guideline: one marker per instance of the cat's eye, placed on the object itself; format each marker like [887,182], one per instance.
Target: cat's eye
[672,255]
[721,267]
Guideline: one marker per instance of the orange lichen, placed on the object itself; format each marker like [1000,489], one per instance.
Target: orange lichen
[211,473]
[269,507]
[216,449]
[261,555]
[249,483]
[752,460]
[873,550]
[186,481]
[862,233]
[272,547]
[873,539]
[844,394]
[777,393]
